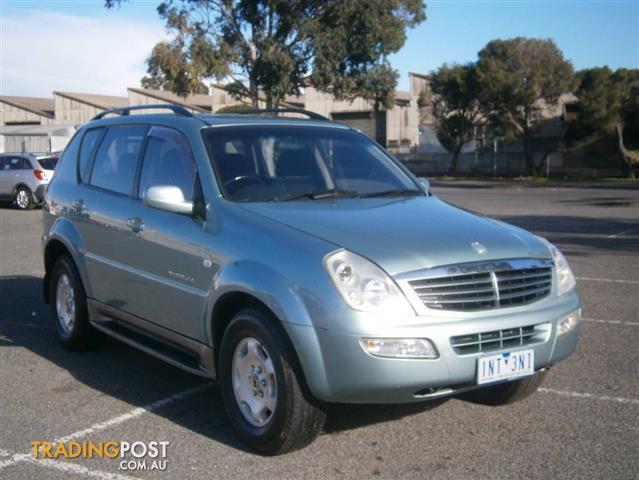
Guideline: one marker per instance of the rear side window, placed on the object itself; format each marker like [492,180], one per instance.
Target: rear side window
[168,161]
[48,163]
[117,158]
[89,141]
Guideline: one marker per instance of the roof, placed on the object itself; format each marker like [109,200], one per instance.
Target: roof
[35,155]
[97,101]
[49,130]
[196,122]
[199,102]
[420,75]
[38,105]
[401,95]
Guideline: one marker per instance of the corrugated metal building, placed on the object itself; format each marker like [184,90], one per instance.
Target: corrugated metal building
[26,110]
[396,127]
[34,138]
[76,108]
[195,103]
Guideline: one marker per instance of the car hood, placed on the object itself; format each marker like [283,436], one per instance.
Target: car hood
[404,234]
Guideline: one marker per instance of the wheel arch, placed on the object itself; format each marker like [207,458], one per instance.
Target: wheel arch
[63,239]
[232,303]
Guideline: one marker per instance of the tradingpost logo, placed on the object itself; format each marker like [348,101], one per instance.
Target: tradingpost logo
[132,455]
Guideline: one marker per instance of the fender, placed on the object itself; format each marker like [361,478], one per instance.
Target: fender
[65,232]
[286,300]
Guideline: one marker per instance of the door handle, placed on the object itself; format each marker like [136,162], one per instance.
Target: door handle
[135,224]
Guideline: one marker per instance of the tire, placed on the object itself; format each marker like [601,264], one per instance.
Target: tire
[252,348]
[71,320]
[23,199]
[505,393]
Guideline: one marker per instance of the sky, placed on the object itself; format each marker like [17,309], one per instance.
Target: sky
[79,46]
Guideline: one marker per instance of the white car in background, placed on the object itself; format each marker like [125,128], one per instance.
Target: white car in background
[24,177]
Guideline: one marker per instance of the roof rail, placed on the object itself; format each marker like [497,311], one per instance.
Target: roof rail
[275,111]
[177,109]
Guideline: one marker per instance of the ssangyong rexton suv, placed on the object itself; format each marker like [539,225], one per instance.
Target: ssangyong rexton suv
[298,263]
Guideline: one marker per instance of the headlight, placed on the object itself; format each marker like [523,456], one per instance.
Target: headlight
[565,279]
[363,285]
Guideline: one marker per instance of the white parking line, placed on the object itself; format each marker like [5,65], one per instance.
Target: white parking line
[591,396]
[612,322]
[606,280]
[77,469]
[623,232]
[134,413]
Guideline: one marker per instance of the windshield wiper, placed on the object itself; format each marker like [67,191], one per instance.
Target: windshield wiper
[394,193]
[321,194]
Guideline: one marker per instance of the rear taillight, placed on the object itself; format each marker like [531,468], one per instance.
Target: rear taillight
[39,174]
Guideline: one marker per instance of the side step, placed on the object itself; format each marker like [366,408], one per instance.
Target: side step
[153,345]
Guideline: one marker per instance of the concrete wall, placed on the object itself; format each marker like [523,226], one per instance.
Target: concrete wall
[417,84]
[10,114]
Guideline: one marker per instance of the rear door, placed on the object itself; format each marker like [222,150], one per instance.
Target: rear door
[168,281]
[103,201]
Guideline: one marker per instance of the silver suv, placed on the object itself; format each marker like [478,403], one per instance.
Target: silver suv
[24,176]
[298,263]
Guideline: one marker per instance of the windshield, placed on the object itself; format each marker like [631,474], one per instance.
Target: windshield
[48,163]
[284,162]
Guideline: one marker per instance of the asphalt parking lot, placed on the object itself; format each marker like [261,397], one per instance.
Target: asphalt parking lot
[583,423]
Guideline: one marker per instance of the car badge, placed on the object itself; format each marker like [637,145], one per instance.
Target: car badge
[478,247]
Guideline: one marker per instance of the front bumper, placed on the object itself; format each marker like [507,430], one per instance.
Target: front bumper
[337,369]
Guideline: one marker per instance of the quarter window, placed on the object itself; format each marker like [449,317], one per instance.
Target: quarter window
[89,142]
[117,158]
[168,161]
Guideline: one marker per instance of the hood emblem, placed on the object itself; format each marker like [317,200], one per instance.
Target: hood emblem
[478,247]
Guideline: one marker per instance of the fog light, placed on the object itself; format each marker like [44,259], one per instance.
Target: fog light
[399,347]
[568,323]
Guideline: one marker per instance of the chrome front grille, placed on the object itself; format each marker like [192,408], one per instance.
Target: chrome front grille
[500,339]
[479,286]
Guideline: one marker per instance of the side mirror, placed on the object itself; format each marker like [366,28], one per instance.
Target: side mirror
[168,198]
[425,184]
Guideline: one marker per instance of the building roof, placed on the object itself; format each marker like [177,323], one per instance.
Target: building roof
[97,101]
[37,105]
[48,130]
[419,75]
[401,95]
[199,102]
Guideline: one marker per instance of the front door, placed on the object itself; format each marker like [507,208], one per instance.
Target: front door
[168,281]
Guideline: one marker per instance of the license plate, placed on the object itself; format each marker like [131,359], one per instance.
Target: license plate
[505,365]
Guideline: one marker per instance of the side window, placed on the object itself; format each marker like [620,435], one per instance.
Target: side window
[25,164]
[168,161]
[2,163]
[89,142]
[117,158]
[16,163]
